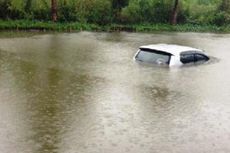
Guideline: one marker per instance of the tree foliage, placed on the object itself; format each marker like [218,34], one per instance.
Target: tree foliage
[202,12]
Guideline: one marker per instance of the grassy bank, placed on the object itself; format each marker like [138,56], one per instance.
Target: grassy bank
[76,26]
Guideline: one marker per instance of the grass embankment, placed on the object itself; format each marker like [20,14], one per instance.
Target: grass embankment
[76,26]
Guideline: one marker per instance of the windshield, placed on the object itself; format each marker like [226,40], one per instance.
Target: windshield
[155,57]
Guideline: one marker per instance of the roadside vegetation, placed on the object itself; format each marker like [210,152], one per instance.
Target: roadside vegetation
[116,15]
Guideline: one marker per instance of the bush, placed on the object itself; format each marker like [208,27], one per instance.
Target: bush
[149,11]
[40,14]
[7,11]
[67,12]
[100,13]
[131,13]
[221,18]
[94,11]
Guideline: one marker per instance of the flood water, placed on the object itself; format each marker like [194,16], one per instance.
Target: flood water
[83,93]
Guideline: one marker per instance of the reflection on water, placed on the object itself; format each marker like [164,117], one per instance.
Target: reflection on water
[83,93]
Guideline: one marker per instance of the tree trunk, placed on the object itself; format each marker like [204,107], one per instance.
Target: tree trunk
[175,12]
[54,10]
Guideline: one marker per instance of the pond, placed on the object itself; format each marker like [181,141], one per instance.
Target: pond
[83,93]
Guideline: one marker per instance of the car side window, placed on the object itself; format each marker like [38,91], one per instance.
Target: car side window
[200,57]
[152,56]
[187,57]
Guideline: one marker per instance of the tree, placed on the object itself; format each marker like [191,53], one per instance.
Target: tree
[175,12]
[28,5]
[54,10]
[117,5]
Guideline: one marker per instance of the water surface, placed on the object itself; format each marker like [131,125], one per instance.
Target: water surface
[83,93]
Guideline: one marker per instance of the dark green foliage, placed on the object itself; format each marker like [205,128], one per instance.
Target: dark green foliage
[161,12]
[100,13]
[5,9]
[183,16]
[117,5]
[221,18]
[222,14]
[139,11]
[67,12]
[224,5]
[106,12]
[8,12]
[213,13]
[28,6]
[41,14]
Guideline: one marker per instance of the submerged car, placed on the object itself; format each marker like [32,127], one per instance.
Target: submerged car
[171,55]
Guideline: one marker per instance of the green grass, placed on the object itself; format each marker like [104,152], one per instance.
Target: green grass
[76,26]
[43,26]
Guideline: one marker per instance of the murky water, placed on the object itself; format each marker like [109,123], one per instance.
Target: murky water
[83,93]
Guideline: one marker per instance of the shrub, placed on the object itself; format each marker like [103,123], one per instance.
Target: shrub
[100,13]
[7,11]
[67,12]
[149,11]
[41,14]
[221,18]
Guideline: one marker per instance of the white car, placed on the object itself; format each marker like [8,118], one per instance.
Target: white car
[171,55]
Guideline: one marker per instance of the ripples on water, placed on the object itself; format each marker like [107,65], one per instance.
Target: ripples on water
[83,93]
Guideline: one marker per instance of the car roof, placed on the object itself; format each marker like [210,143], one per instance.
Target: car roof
[169,48]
